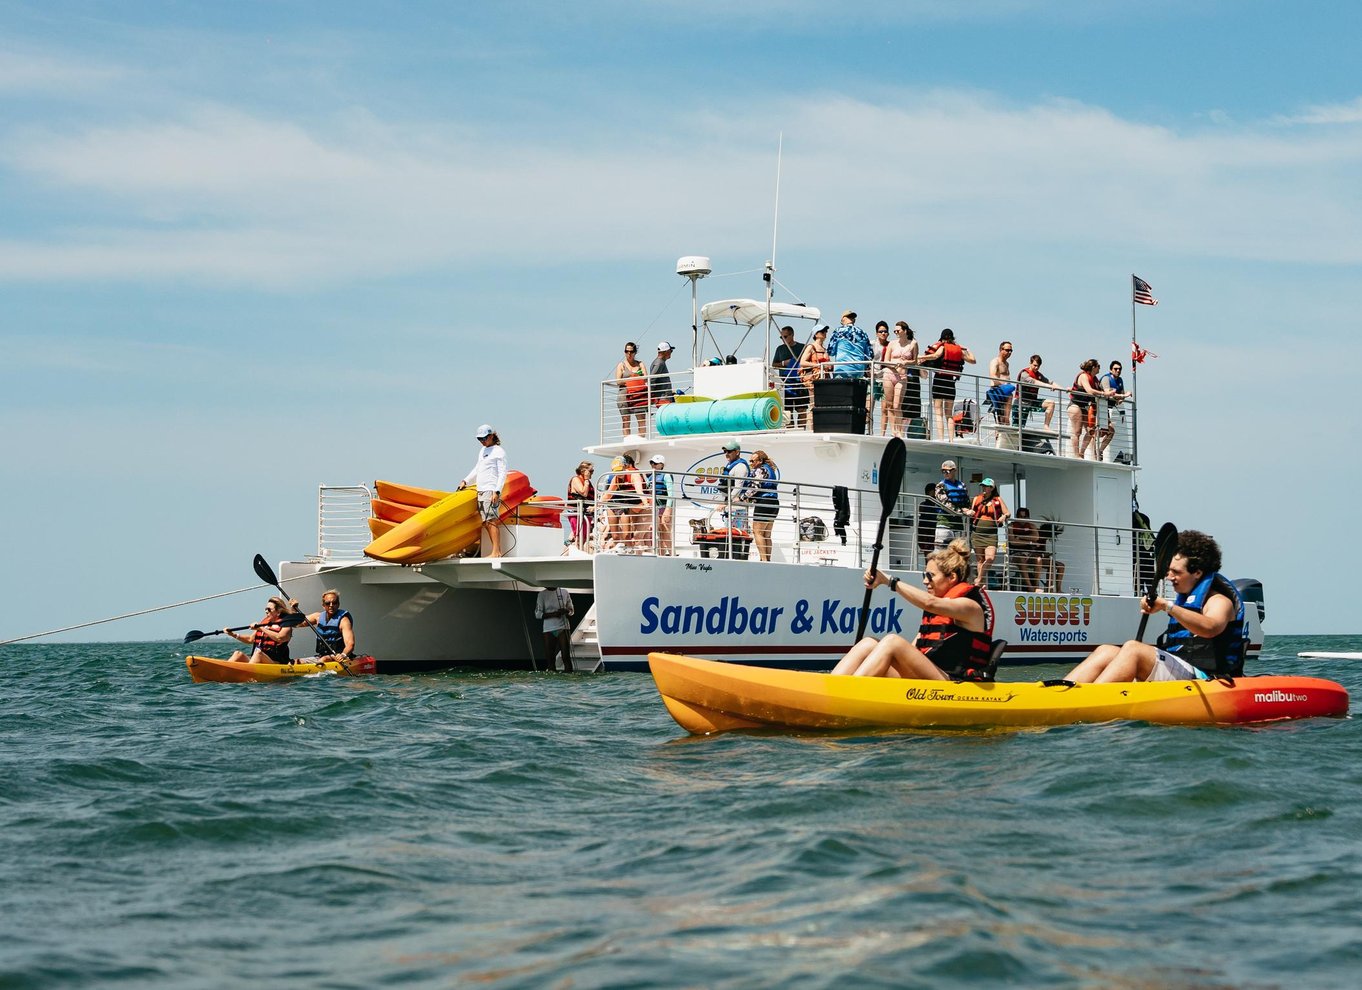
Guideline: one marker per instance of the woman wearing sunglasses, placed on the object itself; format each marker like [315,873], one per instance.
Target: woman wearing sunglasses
[268,638]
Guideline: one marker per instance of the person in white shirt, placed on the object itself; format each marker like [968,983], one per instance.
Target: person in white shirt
[489,475]
[554,606]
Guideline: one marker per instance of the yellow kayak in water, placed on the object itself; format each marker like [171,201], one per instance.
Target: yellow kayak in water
[238,671]
[705,696]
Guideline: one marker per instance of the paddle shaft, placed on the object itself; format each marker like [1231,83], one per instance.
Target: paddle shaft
[891,480]
[290,620]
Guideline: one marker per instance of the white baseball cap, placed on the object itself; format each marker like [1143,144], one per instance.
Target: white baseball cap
[657,459]
[664,346]
[484,431]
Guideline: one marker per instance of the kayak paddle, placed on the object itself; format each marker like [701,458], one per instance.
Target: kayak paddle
[291,619]
[1165,546]
[891,480]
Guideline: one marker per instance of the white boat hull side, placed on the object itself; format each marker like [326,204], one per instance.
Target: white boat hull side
[408,622]
[804,617]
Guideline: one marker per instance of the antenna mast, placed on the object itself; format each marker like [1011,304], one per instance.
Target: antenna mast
[769,275]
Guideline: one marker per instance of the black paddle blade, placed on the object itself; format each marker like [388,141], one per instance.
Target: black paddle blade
[891,472]
[264,571]
[289,619]
[891,480]
[197,634]
[1165,546]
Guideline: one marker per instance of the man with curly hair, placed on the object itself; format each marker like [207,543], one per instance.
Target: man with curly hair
[1206,632]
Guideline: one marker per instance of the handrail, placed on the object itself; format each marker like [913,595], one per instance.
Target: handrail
[992,419]
[342,521]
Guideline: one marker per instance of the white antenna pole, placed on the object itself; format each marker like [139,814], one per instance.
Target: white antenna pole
[769,275]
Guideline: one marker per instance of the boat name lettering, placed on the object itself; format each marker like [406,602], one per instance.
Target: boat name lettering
[1268,697]
[1027,635]
[699,567]
[731,617]
[1053,610]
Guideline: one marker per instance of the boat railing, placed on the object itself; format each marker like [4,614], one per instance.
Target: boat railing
[342,521]
[980,412]
[704,517]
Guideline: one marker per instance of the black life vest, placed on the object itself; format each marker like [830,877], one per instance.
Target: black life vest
[1221,655]
[962,654]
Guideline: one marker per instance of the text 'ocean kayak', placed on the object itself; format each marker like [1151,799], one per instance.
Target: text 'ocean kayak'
[705,696]
[238,671]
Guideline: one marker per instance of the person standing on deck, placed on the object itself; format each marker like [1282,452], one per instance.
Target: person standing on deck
[852,355]
[1206,632]
[489,475]
[953,496]
[950,359]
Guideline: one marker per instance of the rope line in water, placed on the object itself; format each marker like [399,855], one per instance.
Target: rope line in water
[164,608]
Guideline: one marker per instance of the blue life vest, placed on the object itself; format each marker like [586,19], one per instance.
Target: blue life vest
[728,470]
[658,484]
[329,637]
[1222,655]
[957,494]
[764,487]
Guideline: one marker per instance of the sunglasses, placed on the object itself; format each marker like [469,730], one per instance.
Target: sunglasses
[328,602]
[631,350]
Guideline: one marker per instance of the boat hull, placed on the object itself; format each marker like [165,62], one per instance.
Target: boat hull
[707,697]
[206,669]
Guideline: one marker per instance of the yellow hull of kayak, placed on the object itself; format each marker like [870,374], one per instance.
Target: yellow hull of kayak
[447,528]
[420,498]
[204,669]
[706,697]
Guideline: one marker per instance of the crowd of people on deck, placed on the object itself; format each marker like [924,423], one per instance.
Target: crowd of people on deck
[905,382]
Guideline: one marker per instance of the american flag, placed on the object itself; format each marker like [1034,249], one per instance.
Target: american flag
[1144,295]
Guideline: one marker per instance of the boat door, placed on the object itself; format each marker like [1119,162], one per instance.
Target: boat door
[1114,551]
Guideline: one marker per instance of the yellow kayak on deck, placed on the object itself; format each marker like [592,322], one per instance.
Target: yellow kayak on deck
[239,671]
[448,527]
[705,696]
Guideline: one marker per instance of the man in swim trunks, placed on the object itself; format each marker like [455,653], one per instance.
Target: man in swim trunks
[1205,635]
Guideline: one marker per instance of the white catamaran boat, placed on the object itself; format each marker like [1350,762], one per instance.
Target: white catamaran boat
[1059,589]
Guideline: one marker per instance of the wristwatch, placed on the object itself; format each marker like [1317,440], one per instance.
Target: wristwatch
[894,585]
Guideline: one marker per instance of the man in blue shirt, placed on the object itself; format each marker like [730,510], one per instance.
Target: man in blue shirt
[1115,418]
[850,349]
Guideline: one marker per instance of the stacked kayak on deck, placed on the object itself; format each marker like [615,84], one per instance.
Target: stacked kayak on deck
[705,696]
[238,671]
[418,525]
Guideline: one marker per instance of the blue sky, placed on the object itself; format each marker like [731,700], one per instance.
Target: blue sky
[247,248]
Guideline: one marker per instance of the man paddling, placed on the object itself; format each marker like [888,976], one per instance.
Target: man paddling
[333,626]
[1206,631]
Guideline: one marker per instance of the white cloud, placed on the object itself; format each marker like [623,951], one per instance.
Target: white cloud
[22,73]
[1328,113]
[223,196]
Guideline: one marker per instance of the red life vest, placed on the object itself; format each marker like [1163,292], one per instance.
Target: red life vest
[276,651]
[962,654]
[952,359]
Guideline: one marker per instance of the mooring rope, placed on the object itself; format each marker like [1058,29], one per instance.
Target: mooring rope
[164,608]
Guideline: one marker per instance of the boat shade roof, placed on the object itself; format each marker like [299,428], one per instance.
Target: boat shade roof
[750,312]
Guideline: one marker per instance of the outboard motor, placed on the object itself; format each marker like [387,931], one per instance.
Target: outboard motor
[1251,590]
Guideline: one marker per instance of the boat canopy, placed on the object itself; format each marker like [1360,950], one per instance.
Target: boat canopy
[750,312]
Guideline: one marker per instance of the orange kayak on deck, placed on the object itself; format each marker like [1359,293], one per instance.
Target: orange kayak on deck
[542,510]
[421,498]
[204,669]
[446,528]
[705,696]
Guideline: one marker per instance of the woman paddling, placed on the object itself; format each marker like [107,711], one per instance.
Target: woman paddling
[268,638]
[956,635]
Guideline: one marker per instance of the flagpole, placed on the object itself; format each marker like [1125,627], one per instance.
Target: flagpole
[1134,380]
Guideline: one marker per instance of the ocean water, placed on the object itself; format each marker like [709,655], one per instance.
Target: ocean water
[523,830]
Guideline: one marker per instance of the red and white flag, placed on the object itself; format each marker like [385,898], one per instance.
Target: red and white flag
[1144,295]
[1138,353]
